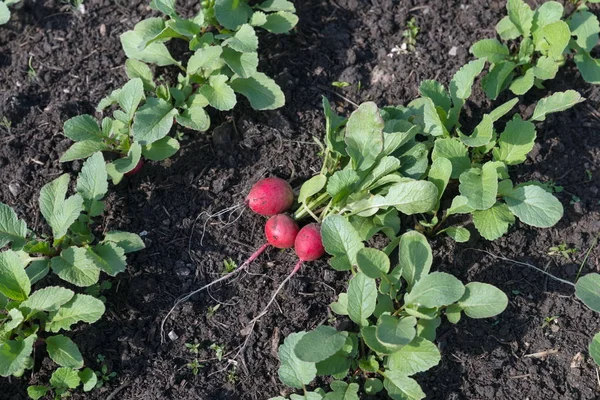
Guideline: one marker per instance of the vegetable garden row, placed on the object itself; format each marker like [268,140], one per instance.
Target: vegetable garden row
[386,191]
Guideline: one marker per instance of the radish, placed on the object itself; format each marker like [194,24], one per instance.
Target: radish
[136,169]
[280,231]
[309,247]
[270,196]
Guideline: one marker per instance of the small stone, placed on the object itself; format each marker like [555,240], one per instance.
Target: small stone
[579,208]
[173,336]
[453,51]
[14,188]
[102,30]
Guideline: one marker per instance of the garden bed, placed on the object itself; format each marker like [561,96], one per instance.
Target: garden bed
[77,60]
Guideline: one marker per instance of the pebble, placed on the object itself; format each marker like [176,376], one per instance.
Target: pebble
[453,51]
[14,188]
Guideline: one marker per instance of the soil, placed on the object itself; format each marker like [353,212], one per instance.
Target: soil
[77,60]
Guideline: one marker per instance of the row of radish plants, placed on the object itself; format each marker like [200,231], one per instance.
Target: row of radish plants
[379,165]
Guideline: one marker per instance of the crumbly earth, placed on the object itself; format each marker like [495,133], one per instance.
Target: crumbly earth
[77,59]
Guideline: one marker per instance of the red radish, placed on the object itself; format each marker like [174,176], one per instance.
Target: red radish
[309,247]
[308,244]
[270,196]
[136,169]
[281,231]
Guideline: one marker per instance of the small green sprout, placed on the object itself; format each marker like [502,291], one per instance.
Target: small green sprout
[103,375]
[410,33]
[550,320]
[31,72]
[340,84]
[562,249]
[219,350]
[210,312]
[193,348]
[229,266]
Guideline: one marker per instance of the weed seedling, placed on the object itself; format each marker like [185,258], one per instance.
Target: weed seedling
[229,266]
[31,72]
[550,320]
[219,350]
[410,34]
[340,84]
[562,249]
[103,375]
[194,365]
[210,312]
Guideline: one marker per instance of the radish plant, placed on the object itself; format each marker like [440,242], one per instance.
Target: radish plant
[31,316]
[544,38]
[396,309]
[223,44]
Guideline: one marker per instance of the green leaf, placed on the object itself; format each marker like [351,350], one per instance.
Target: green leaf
[401,387]
[522,84]
[493,222]
[37,270]
[340,240]
[436,92]
[108,257]
[506,29]
[165,6]
[92,183]
[232,13]
[585,27]
[10,322]
[415,257]
[369,335]
[340,362]
[14,355]
[412,197]
[138,69]
[515,142]
[364,136]
[4,13]
[75,266]
[154,53]
[88,378]
[219,94]
[243,64]
[37,392]
[12,229]
[435,290]
[414,159]
[130,97]
[490,49]
[458,233]
[460,205]
[427,328]
[372,263]
[311,187]
[534,206]
[294,372]
[373,386]
[83,127]
[48,299]
[547,13]
[58,212]
[14,282]
[129,242]
[340,306]
[520,15]
[455,151]
[482,134]
[560,101]
[497,78]
[461,84]
[420,355]
[206,58]
[393,331]
[161,149]
[341,184]
[262,92]
[280,22]
[65,378]
[480,186]
[343,391]
[64,351]
[128,163]
[554,39]
[362,298]
[244,40]
[439,174]
[546,68]
[83,149]
[434,124]
[588,66]
[587,289]
[320,344]
[276,5]
[82,307]
[482,300]
[153,121]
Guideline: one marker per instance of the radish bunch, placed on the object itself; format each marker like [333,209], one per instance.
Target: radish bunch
[271,197]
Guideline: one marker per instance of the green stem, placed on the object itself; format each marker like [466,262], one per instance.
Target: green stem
[301,212]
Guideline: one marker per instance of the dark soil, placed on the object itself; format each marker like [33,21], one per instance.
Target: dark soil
[78,60]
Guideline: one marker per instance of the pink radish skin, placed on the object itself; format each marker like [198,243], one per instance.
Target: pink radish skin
[137,168]
[281,231]
[270,196]
[308,243]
